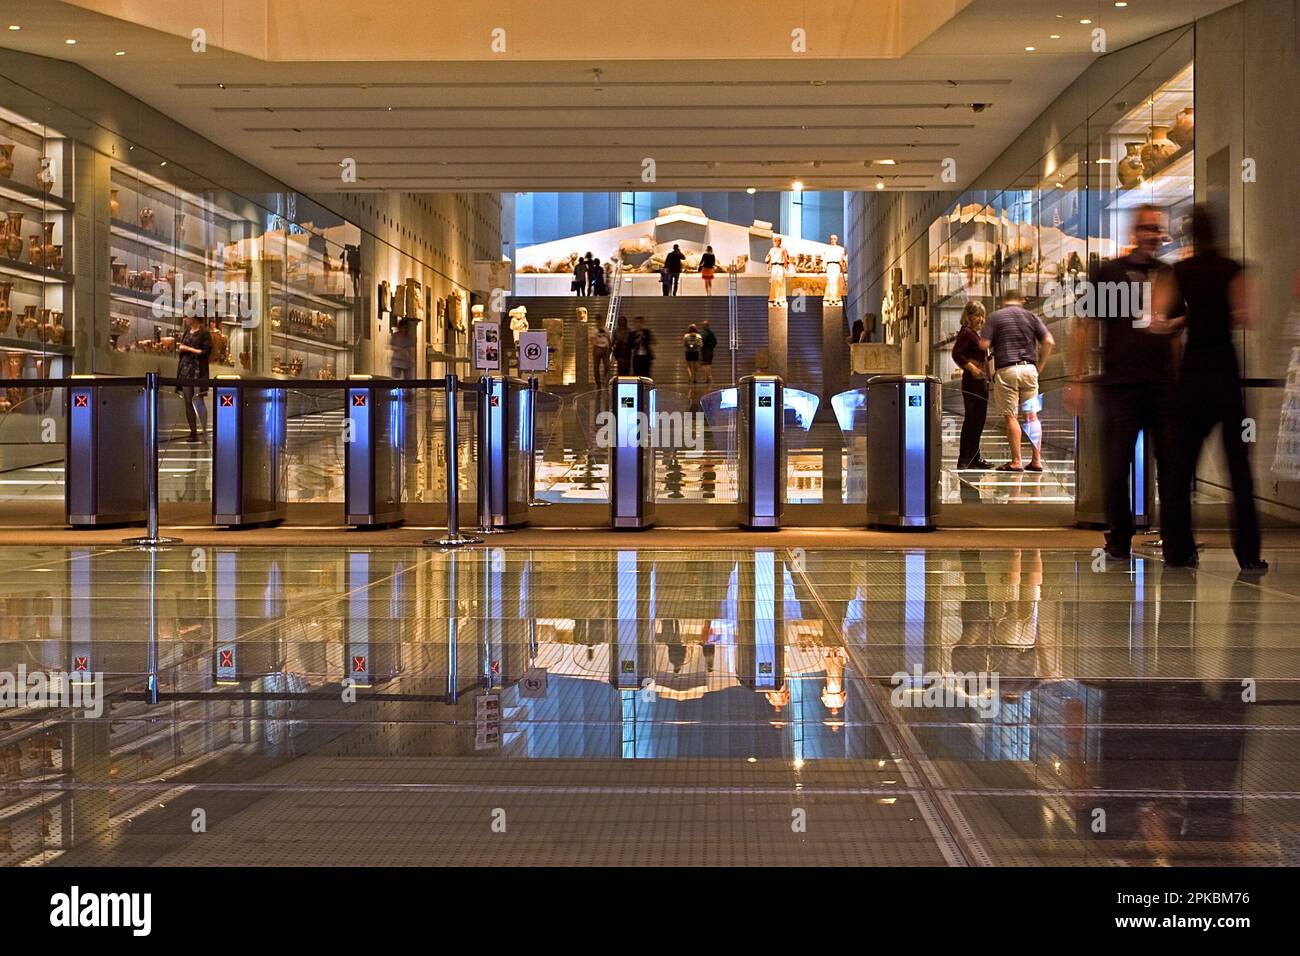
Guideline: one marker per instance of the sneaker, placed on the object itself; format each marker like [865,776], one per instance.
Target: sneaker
[983,464]
[1258,566]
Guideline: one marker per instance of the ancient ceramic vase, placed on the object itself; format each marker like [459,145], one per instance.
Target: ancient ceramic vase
[6,160]
[1184,127]
[114,204]
[14,235]
[1129,169]
[6,310]
[1157,150]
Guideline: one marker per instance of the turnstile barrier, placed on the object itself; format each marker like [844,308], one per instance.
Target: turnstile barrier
[248,456]
[105,480]
[374,453]
[505,450]
[631,452]
[905,451]
[761,445]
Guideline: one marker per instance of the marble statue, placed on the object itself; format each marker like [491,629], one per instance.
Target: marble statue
[836,261]
[778,260]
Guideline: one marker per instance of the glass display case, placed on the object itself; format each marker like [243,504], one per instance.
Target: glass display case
[36,298]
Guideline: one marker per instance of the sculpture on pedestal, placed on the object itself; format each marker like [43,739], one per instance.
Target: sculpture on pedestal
[777,259]
[836,261]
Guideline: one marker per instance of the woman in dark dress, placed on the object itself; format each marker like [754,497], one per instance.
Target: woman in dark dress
[974,364]
[1208,295]
[194,347]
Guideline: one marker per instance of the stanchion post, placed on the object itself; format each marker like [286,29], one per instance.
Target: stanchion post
[151,537]
[453,538]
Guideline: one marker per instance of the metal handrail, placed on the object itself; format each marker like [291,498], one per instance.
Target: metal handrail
[615,298]
[733,318]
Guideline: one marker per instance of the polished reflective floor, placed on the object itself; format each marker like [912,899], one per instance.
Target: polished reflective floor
[773,706]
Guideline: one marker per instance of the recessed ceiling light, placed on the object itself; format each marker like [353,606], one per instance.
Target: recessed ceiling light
[14,26]
[163,163]
[880,184]
[120,53]
[886,162]
[751,190]
[1120,3]
[1085,21]
[70,42]
[1054,36]
[1030,49]
[797,186]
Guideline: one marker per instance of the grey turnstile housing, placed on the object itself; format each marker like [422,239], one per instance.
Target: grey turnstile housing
[505,443]
[105,479]
[1090,464]
[248,457]
[904,451]
[760,415]
[374,458]
[631,457]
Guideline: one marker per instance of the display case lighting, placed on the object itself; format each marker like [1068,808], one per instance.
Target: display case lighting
[14,26]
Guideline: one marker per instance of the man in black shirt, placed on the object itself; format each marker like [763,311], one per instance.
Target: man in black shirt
[1137,371]
[194,349]
[674,262]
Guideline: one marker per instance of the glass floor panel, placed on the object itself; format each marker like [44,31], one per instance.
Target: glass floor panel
[508,706]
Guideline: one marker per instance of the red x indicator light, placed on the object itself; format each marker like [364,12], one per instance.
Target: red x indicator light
[359,664]
[227,401]
[81,664]
[358,401]
[81,401]
[227,659]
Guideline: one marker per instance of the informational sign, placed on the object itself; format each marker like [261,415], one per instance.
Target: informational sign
[487,722]
[533,354]
[533,683]
[487,346]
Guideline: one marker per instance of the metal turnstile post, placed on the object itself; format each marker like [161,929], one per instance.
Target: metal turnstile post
[374,453]
[105,454]
[248,460]
[504,441]
[905,451]
[631,455]
[760,417]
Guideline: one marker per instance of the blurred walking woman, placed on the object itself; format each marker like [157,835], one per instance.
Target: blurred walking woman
[974,364]
[1208,294]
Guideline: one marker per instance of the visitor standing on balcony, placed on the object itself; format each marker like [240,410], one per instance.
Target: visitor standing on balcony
[1015,335]
[596,278]
[973,360]
[579,284]
[708,265]
[600,354]
[673,262]
[192,366]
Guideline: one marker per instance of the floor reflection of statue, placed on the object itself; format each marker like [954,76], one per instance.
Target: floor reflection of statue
[836,261]
[833,695]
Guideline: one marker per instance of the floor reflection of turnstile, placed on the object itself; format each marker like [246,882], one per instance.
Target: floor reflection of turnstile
[248,458]
[632,652]
[760,622]
[505,445]
[373,451]
[905,457]
[105,479]
[631,453]
[761,448]
[1089,467]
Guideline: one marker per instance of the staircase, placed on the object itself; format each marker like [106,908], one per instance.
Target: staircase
[668,316]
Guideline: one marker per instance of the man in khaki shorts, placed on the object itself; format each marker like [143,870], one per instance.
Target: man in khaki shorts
[1017,337]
